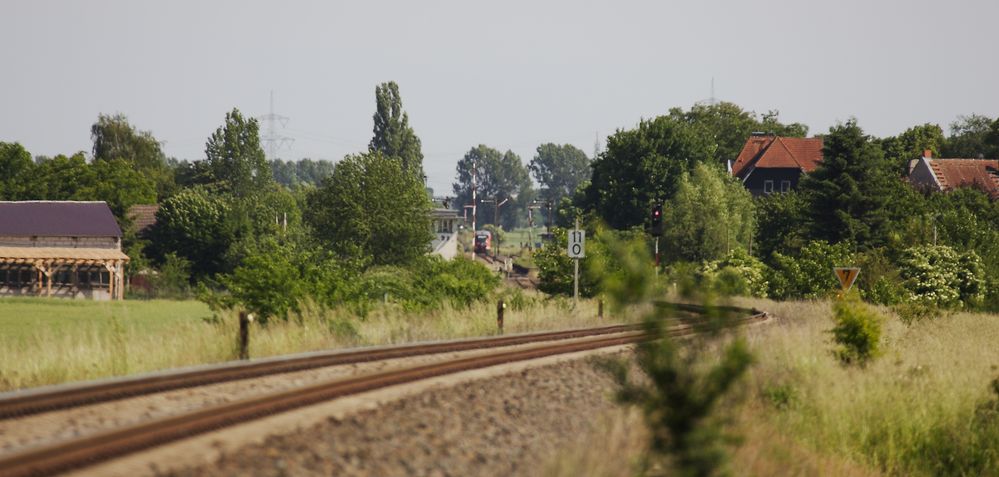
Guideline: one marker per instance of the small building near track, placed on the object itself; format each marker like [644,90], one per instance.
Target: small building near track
[60,249]
[445,224]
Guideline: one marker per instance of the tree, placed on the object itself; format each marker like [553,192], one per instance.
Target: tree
[371,207]
[972,137]
[910,145]
[15,170]
[642,167]
[851,194]
[559,170]
[781,222]
[192,225]
[393,137]
[305,172]
[235,159]
[114,138]
[729,126]
[499,176]
[710,215]
[61,178]
[119,184]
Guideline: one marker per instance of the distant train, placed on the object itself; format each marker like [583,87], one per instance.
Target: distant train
[483,241]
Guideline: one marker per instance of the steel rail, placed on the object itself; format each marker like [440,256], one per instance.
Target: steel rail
[88,450]
[24,403]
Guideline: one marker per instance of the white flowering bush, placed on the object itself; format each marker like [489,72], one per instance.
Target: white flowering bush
[937,275]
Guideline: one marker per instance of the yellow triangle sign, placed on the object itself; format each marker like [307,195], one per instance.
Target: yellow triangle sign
[846,275]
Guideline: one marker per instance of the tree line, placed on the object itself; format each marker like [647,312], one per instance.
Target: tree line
[264,235]
[915,246]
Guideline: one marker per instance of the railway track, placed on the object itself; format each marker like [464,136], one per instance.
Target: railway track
[18,404]
[98,447]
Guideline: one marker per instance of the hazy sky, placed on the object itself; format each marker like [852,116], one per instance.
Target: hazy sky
[508,74]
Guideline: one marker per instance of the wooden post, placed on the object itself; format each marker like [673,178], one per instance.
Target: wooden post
[119,271]
[111,278]
[48,279]
[600,308]
[500,306]
[244,335]
[74,279]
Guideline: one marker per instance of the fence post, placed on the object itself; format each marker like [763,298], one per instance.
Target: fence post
[600,308]
[500,306]
[244,335]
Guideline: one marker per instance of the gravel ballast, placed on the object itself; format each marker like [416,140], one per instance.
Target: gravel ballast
[506,420]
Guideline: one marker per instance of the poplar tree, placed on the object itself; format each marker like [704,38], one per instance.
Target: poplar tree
[235,159]
[393,137]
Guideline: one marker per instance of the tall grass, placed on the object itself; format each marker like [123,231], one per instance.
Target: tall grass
[55,341]
[926,406]
[913,411]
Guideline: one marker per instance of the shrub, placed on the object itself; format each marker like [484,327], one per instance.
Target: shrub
[555,268]
[782,396]
[460,281]
[173,279]
[857,331]
[810,274]
[739,273]
[879,281]
[937,275]
[682,396]
[911,313]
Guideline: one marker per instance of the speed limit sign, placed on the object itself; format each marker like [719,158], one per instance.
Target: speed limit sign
[576,240]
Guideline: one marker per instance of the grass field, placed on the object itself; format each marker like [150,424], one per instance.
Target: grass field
[45,341]
[925,407]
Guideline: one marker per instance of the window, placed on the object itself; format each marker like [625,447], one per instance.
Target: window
[785,186]
[768,187]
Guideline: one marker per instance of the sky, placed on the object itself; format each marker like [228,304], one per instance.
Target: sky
[510,74]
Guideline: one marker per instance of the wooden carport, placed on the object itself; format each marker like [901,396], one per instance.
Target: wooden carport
[46,261]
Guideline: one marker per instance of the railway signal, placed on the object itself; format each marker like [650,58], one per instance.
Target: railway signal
[657,221]
[657,229]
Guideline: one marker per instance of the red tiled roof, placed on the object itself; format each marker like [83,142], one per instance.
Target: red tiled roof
[778,152]
[143,216]
[953,173]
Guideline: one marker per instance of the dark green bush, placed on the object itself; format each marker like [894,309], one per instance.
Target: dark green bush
[809,275]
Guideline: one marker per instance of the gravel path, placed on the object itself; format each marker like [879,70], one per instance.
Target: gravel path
[508,424]
[17,434]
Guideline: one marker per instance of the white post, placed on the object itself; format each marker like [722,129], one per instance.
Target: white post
[474,174]
[575,276]
[657,256]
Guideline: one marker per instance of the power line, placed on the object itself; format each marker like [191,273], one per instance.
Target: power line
[271,139]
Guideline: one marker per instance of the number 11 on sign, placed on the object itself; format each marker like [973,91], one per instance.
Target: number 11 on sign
[576,251]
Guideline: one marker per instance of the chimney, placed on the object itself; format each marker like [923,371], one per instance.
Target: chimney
[927,153]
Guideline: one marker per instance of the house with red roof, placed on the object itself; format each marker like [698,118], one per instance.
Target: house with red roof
[948,174]
[769,164]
